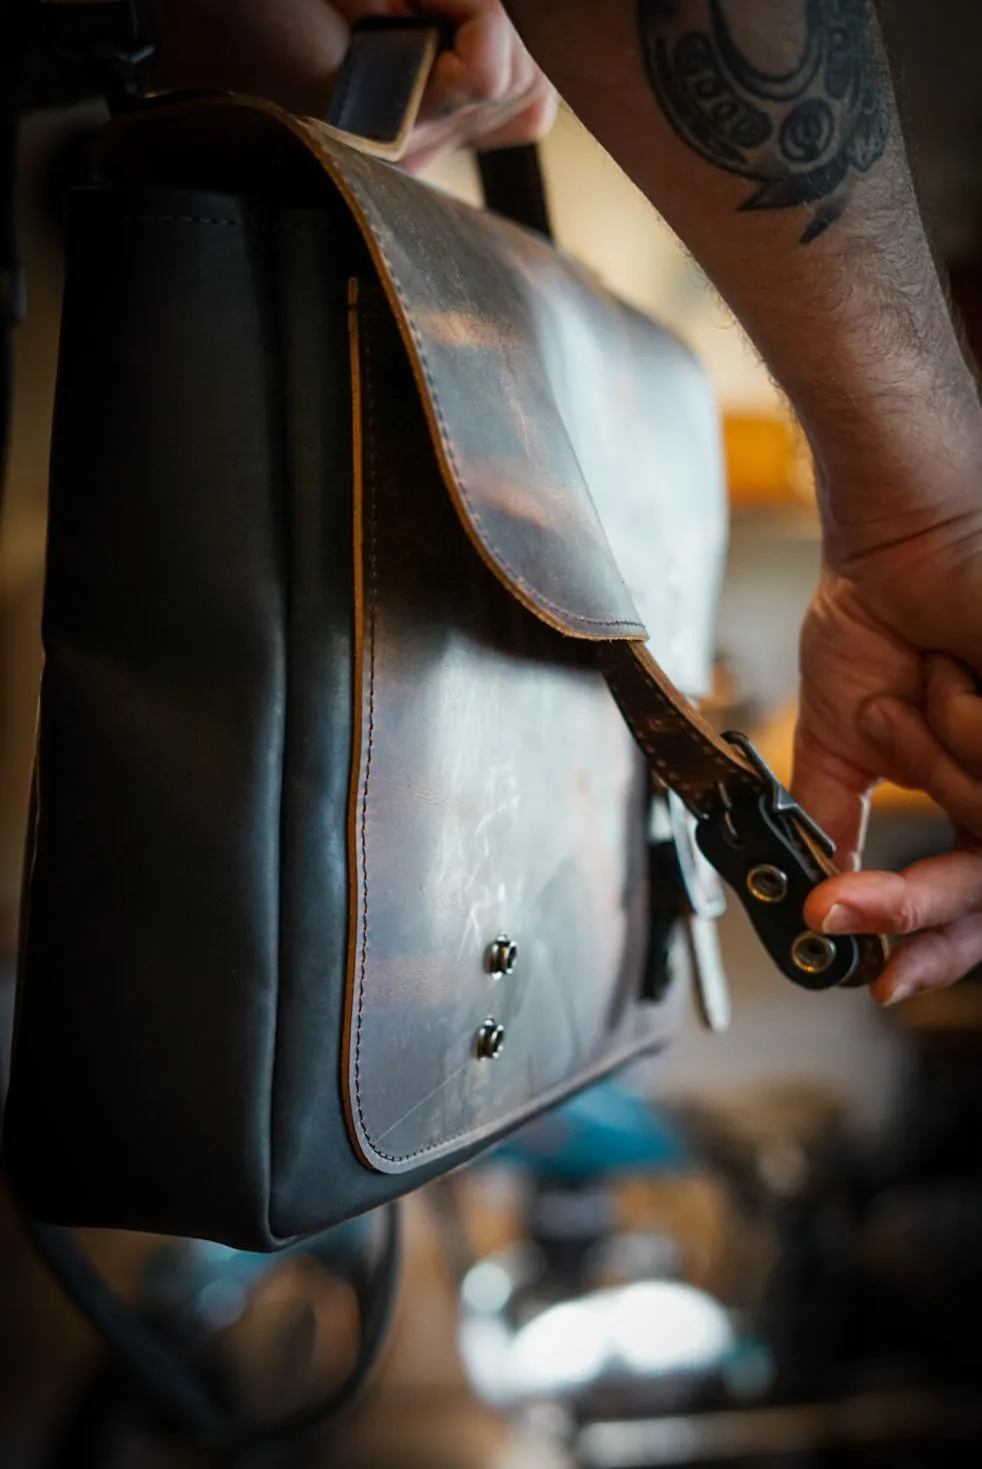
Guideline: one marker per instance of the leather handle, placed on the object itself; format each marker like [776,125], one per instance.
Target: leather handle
[377,99]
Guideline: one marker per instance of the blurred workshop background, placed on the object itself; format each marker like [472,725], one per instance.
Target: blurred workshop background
[797,1205]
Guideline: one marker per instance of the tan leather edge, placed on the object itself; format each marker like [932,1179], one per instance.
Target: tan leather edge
[611,1060]
[387,152]
[359,1143]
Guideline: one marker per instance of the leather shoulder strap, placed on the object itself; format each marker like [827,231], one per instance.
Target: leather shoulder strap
[749,827]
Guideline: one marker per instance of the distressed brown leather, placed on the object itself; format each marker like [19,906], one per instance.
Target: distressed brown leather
[497,790]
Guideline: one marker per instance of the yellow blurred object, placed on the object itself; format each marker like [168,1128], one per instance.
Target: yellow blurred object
[775,741]
[767,461]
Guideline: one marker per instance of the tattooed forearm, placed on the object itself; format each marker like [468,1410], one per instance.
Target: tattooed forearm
[798,130]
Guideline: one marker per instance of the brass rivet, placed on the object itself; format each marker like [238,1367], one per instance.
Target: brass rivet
[812,953]
[766,883]
[489,1040]
[502,956]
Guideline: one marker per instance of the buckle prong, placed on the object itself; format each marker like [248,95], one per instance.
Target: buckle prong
[780,802]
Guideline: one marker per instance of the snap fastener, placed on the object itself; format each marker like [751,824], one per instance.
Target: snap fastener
[502,956]
[489,1040]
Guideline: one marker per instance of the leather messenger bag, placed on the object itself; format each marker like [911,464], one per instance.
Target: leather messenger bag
[370,516]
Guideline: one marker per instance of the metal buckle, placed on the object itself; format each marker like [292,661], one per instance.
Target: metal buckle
[781,804]
[764,845]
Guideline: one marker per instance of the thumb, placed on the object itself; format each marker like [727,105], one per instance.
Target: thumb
[833,791]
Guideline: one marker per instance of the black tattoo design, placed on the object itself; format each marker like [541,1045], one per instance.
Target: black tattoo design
[798,133]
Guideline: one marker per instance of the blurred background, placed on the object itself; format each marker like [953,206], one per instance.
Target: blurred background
[761,1248]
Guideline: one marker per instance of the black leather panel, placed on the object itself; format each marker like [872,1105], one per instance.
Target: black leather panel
[143,1061]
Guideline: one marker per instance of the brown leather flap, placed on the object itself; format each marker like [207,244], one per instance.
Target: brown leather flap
[579,442]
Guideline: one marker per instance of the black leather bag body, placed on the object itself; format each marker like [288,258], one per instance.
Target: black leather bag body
[321,735]
[364,507]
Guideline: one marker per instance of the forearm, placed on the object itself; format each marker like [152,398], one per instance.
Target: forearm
[765,133]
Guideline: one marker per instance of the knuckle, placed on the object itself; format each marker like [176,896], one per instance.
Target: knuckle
[488,79]
[907,917]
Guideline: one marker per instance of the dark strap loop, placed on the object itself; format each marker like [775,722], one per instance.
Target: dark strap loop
[514,186]
[746,822]
[376,102]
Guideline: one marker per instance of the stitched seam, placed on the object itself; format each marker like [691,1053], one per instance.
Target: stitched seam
[678,725]
[295,227]
[535,595]
[368,439]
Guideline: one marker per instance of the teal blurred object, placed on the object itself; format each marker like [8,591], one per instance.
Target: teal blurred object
[606,1130]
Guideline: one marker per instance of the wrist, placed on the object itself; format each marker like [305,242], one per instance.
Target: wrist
[895,454]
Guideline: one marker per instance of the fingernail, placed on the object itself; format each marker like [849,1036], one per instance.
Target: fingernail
[902,992]
[873,721]
[841,919]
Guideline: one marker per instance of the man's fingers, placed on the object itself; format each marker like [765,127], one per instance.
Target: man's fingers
[834,792]
[912,756]
[486,91]
[286,50]
[953,710]
[929,894]
[931,961]
[530,124]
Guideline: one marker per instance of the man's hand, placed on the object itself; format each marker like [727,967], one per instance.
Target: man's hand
[887,694]
[487,91]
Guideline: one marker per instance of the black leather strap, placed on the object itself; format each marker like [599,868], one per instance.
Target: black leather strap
[376,102]
[514,186]
[746,822]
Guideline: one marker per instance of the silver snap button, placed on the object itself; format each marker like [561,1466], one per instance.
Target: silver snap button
[502,956]
[489,1040]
